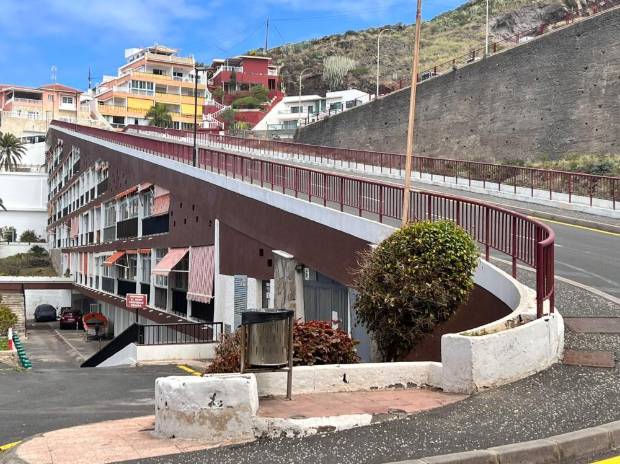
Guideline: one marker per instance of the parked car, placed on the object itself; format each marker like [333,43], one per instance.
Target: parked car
[45,313]
[71,319]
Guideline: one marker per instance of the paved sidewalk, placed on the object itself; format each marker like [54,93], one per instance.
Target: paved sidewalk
[369,402]
[133,439]
[102,443]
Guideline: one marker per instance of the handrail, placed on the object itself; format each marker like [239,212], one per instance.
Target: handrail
[507,176]
[524,239]
[181,333]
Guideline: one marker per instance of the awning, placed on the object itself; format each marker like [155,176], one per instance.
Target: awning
[129,191]
[202,270]
[111,260]
[167,263]
[161,201]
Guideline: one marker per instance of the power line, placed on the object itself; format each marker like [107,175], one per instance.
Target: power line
[338,15]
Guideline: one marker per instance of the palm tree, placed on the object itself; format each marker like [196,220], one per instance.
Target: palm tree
[159,116]
[11,151]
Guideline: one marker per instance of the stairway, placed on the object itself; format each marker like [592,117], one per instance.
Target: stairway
[15,302]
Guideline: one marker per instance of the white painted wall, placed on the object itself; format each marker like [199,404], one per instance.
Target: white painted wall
[13,248]
[58,298]
[24,195]
[202,351]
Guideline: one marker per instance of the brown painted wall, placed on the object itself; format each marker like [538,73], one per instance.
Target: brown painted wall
[196,204]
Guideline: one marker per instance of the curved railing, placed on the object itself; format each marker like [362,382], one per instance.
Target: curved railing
[564,185]
[524,239]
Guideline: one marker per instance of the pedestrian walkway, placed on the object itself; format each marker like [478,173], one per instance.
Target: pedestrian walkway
[129,439]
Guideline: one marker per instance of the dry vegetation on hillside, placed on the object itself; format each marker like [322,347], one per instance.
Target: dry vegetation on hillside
[449,35]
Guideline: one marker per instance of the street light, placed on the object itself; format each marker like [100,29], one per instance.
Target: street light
[299,107]
[411,124]
[195,151]
[378,38]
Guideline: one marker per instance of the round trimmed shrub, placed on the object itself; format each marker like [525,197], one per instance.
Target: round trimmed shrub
[413,280]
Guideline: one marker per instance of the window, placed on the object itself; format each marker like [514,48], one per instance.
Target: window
[147,205]
[50,98]
[67,100]
[351,104]
[146,268]
[160,281]
[295,109]
[110,214]
[107,271]
[128,208]
[158,72]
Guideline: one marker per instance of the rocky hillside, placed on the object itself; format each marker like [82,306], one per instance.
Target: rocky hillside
[449,35]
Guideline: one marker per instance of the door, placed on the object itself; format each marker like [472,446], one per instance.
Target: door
[325,299]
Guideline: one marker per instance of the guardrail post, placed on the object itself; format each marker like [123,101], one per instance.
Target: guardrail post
[539,278]
[342,194]
[514,246]
[487,233]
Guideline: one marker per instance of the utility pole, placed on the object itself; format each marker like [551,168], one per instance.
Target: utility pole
[411,124]
[266,36]
[378,50]
[89,79]
[486,41]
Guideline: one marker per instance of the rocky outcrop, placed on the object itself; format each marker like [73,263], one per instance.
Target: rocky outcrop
[526,19]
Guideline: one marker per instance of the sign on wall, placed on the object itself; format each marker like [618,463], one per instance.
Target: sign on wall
[135,300]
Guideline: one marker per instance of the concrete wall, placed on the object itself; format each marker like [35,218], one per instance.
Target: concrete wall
[13,248]
[57,298]
[556,94]
[24,195]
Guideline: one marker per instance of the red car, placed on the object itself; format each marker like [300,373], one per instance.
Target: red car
[71,319]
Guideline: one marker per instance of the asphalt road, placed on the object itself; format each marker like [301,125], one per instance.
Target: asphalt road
[57,393]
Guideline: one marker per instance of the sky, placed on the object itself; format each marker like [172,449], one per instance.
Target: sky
[75,35]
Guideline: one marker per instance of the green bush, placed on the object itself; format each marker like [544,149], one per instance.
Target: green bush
[413,280]
[28,236]
[248,102]
[314,342]
[7,319]
[260,93]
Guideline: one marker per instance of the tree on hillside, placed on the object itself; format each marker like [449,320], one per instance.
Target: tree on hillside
[11,151]
[159,116]
[28,236]
[335,69]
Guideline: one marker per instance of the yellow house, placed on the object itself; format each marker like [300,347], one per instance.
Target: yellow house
[152,75]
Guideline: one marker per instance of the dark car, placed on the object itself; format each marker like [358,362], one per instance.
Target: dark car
[45,313]
[71,319]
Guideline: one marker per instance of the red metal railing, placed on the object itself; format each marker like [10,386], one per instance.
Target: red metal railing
[524,239]
[502,177]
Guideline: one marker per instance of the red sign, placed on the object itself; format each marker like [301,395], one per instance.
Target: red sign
[135,300]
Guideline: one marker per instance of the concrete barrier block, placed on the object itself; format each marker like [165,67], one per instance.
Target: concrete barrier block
[467,457]
[213,408]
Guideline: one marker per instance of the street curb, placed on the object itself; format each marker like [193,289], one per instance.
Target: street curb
[558,449]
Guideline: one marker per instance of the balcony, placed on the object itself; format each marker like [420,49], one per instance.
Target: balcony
[127,228]
[102,187]
[170,59]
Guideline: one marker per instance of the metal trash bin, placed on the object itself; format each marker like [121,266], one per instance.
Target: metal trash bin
[267,342]
[267,337]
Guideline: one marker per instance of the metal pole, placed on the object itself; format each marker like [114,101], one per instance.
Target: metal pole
[411,125]
[486,43]
[289,374]
[299,101]
[378,50]
[195,151]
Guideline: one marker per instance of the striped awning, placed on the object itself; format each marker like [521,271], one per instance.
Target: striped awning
[113,258]
[161,201]
[201,272]
[168,262]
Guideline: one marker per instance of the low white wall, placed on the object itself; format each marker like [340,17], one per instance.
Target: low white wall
[176,352]
[56,297]
[125,357]
[350,377]
[13,248]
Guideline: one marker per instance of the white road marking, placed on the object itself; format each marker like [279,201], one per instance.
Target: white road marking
[73,348]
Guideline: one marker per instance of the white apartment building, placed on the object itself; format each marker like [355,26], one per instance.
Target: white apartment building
[295,111]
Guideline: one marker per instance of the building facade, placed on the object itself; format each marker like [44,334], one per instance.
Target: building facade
[28,111]
[298,111]
[155,74]
[242,72]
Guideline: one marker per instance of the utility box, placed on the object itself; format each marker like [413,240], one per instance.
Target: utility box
[267,342]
